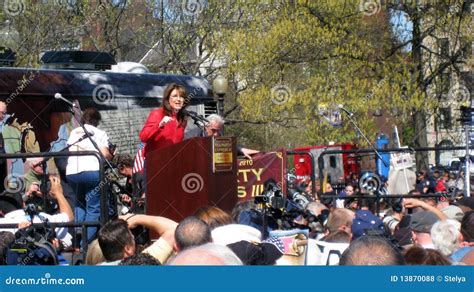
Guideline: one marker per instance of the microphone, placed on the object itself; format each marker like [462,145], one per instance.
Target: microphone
[349,113]
[195,116]
[60,97]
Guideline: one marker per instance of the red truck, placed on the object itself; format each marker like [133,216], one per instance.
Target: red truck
[338,166]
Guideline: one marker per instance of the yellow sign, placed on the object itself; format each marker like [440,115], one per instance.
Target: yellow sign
[222,154]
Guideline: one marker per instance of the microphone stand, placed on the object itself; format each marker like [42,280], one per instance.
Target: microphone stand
[199,121]
[61,150]
[352,120]
[71,110]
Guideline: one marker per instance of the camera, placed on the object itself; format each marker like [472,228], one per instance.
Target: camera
[285,213]
[33,245]
[272,195]
[112,147]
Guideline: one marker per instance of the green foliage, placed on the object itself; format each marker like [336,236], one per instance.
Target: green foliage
[324,53]
[289,61]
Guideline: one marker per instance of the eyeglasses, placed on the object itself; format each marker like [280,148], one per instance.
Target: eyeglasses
[177,97]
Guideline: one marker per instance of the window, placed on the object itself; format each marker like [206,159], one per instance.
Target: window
[443,47]
[444,119]
[467,79]
[466,49]
[444,83]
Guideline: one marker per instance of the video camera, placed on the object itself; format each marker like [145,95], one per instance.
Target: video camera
[33,245]
[271,196]
[284,213]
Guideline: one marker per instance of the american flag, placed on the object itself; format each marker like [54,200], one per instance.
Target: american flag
[277,242]
[284,244]
[139,162]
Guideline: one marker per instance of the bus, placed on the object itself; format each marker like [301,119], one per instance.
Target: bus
[39,122]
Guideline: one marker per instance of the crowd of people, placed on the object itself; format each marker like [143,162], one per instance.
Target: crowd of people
[346,229]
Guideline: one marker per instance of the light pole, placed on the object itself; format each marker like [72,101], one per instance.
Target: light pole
[220,86]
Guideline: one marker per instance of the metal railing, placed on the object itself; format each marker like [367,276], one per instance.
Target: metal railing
[313,164]
[104,214]
[391,150]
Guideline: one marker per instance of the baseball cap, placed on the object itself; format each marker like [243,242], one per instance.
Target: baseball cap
[365,220]
[423,221]
[453,212]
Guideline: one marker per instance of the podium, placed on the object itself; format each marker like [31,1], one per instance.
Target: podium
[196,172]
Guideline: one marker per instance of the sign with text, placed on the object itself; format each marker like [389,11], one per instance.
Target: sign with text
[402,160]
[253,173]
[221,154]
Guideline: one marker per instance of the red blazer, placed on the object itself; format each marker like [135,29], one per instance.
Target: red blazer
[156,137]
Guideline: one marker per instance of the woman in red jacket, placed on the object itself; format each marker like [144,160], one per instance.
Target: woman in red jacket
[165,125]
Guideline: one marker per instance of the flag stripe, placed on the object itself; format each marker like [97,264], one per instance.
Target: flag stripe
[139,162]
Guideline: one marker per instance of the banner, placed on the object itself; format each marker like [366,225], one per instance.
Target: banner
[402,160]
[233,278]
[253,173]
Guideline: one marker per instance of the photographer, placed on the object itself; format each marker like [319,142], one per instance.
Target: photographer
[65,214]
[393,216]
[318,219]
[24,217]
[33,177]
[135,184]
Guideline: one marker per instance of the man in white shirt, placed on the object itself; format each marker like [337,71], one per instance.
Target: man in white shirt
[65,212]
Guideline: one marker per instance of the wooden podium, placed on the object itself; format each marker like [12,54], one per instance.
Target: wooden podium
[191,174]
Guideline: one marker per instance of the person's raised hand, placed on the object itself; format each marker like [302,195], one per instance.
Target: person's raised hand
[56,188]
[413,203]
[165,120]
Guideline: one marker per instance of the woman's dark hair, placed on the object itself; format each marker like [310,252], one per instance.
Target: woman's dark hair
[91,116]
[417,255]
[166,101]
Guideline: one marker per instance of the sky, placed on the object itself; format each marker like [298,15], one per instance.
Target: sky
[402,27]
